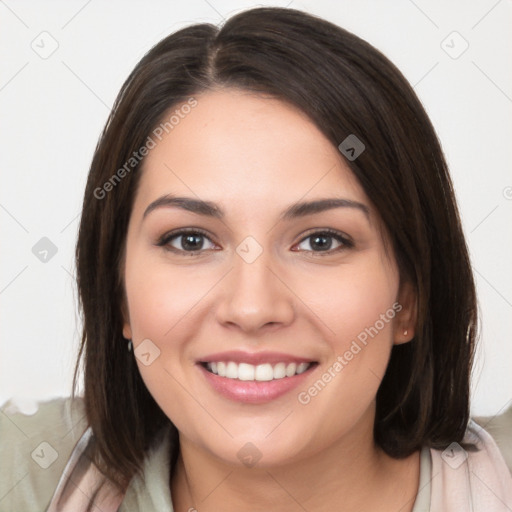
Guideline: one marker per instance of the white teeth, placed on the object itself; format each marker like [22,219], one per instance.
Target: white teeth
[279,371]
[221,369]
[261,372]
[245,371]
[302,368]
[232,370]
[264,372]
[290,369]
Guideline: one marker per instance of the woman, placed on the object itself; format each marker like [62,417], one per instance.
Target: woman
[278,304]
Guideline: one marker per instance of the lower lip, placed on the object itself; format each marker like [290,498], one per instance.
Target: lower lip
[254,392]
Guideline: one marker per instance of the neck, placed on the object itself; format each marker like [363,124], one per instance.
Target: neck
[352,474]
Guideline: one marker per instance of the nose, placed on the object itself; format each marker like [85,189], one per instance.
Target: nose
[254,297]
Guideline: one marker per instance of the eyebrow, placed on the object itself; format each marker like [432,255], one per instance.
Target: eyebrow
[210,209]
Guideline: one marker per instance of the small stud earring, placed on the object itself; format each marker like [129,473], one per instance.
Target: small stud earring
[405,332]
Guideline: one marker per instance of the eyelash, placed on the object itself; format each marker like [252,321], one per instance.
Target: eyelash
[338,236]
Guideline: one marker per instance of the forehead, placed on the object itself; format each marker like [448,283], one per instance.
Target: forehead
[242,149]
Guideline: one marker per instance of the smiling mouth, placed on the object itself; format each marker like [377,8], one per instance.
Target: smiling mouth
[256,373]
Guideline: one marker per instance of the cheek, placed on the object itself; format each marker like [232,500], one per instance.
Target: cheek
[160,304]
[160,297]
[354,300]
[360,308]
[163,305]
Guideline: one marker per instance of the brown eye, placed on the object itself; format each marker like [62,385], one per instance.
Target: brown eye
[184,241]
[323,241]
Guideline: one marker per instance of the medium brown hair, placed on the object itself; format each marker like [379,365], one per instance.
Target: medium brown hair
[346,87]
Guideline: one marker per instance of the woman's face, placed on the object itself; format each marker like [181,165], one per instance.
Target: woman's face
[257,287]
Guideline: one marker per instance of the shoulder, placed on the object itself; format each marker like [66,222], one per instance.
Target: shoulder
[36,441]
[500,428]
[485,482]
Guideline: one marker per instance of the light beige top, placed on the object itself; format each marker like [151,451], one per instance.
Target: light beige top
[38,450]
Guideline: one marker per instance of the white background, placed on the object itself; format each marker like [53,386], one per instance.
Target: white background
[53,110]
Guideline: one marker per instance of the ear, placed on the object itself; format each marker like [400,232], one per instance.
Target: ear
[127,330]
[406,318]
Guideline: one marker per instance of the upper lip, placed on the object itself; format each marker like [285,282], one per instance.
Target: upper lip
[254,358]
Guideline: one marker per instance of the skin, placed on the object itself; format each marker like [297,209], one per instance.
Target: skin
[254,156]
